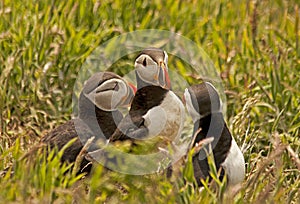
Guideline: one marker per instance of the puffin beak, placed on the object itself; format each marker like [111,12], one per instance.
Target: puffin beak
[165,80]
[156,76]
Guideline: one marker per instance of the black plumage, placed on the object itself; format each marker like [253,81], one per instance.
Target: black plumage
[206,102]
[211,125]
[132,126]
[92,121]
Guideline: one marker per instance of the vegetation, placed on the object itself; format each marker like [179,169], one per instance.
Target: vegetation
[253,44]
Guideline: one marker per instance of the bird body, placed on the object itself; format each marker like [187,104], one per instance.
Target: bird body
[204,105]
[98,116]
[234,164]
[154,111]
[82,130]
[167,118]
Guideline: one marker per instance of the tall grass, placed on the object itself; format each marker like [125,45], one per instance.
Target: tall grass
[253,44]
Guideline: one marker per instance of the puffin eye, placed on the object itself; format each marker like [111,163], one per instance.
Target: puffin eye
[145,62]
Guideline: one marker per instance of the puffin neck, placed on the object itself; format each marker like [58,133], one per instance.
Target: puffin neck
[209,121]
[98,120]
[147,98]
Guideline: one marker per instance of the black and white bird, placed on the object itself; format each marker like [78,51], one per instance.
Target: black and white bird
[98,116]
[155,109]
[151,68]
[205,107]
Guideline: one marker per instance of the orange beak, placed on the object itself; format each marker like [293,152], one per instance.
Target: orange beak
[166,75]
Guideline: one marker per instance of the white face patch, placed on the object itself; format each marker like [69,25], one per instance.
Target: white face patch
[109,95]
[189,105]
[147,69]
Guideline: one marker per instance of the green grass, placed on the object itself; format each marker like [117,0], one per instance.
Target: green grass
[253,44]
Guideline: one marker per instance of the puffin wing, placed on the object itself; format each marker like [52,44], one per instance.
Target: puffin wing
[130,128]
[61,135]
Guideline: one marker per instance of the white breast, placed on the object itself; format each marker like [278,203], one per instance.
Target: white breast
[167,119]
[234,164]
[155,120]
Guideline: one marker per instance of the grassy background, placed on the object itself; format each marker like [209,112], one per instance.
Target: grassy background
[253,44]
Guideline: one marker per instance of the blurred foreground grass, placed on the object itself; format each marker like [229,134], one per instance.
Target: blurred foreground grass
[253,44]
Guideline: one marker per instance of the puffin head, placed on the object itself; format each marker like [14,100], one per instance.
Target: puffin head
[151,68]
[202,100]
[107,91]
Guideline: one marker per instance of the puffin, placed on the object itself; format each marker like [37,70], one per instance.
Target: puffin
[151,68]
[156,114]
[205,107]
[155,109]
[151,112]
[98,116]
